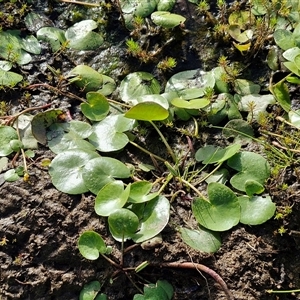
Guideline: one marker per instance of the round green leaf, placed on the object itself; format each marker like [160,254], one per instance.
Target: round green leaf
[111,198]
[253,187]
[86,78]
[7,134]
[201,239]
[154,218]
[108,134]
[139,192]
[147,111]
[192,104]
[96,108]
[221,212]
[54,36]
[251,166]
[165,5]
[102,170]
[90,290]
[166,19]
[10,79]
[11,175]
[81,36]
[138,84]
[90,244]
[256,210]
[66,170]
[284,39]
[123,222]
[31,44]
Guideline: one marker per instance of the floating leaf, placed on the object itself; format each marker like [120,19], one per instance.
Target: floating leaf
[90,244]
[166,19]
[123,223]
[66,170]
[211,154]
[147,111]
[154,218]
[251,166]
[81,36]
[96,108]
[102,170]
[108,134]
[256,210]
[111,198]
[42,121]
[139,192]
[201,239]
[86,78]
[7,134]
[221,212]
[138,84]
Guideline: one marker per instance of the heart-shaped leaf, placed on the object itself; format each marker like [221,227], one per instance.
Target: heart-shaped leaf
[201,239]
[54,36]
[90,290]
[111,198]
[251,166]
[253,187]
[66,170]
[139,192]
[108,135]
[256,210]
[123,223]
[211,154]
[102,170]
[192,104]
[221,212]
[154,218]
[7,134]
[96,108]
[90,244]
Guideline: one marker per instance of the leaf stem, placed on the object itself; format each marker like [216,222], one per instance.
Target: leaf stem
[164,141]
[193,188]
[81,3]
[146,151]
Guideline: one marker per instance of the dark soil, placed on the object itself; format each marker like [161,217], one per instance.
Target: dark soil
[40,227]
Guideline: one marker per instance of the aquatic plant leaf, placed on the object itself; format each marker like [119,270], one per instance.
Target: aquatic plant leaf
[201,239]
[236,33]
[31,44]
[221,212]
[154,218]
[284,39]
[42,121]
[272,58]
[140,192]
[281,93]
[239,129]
[54,36]
[108,135]
[81,36]
[294,118]
[253,187]
[66,170]
[138,84]
[111,198]
[158,99]
[86,78]
[138,8]
[147,111]
[192,104]
[90,290]
[5,65]
[211,154]
[11,175]
[242,47]
[256,210]
[96,108]
[123,223]
[102,170]
[10,79]
[251,166]
[166,19]
[90,244]
[165,5]
[239,17]
[108,86]
[246,87]
[7,134]
[162,290]
[291,53]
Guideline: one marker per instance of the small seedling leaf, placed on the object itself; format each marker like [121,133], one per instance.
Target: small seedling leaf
[102,170]
[111,198]
[108,134]
[251,166]
[256,210]
[7,134]
[8,78]
[123,223]
[221,212]
[66,170]
[166,19]
[201,239]
[90,290]
[147,111]
[211,154]
[139,192]
[54,36]
[253,187]
[154,218]
[11,175]
[90,244]
[96,108]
